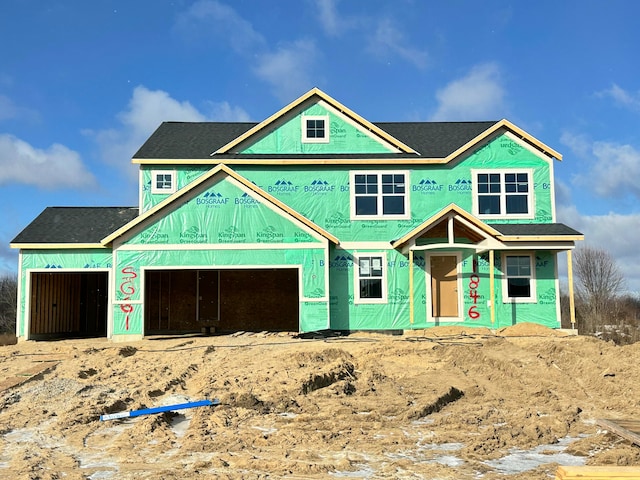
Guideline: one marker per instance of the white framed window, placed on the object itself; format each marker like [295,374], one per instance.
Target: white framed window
[315,129]
[503,193]
[370,277]
[518,280]
[163,181]
[379,195]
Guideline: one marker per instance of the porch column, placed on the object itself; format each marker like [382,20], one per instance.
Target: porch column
[492,287]
[411,287]
[572,305]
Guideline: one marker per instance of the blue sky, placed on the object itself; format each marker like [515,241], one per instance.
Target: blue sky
[84,83]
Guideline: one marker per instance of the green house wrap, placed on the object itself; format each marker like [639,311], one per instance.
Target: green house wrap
[313,219]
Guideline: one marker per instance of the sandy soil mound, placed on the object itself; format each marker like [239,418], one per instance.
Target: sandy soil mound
[530,329]
[444,403]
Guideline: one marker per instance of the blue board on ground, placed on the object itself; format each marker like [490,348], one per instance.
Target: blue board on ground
[164,408]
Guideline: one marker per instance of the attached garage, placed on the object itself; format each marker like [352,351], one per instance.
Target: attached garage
[68,304]
[223,300]
[193,262]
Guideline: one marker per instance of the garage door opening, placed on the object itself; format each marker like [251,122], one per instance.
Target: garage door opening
[224,301]
[68,305]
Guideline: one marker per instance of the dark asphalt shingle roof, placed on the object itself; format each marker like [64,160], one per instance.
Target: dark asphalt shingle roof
[197,140]
[75,224]
[534,229]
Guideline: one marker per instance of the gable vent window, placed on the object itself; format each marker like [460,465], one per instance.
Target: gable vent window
[315,129]
[163,181]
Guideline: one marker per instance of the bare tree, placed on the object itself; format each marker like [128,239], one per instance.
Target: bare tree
[599,284]
[8,303]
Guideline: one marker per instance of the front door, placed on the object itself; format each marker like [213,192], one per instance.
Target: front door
[444,286]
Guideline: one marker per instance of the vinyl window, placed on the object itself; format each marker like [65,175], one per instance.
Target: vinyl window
[370,275]
[503,194]
[519,278]
[379,195]
[315,129]
[163,181]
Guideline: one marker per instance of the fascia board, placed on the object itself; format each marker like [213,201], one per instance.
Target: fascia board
[540,238]
[50,246]
[531,139]
[541,245]
[290,161]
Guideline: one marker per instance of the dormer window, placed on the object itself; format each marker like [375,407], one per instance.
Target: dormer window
[163,181]
[315,129]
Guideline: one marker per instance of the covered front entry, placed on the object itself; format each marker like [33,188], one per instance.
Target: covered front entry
[224,300]
[69,304]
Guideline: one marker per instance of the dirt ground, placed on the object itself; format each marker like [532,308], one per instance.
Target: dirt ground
[443,403]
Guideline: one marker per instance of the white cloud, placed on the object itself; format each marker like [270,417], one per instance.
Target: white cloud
[212,18]
[622,98]
[477,96]
[616,170]
[224,112]
[390,42]
[606,232]
[9,110]
[387,42]
[52,168]
[336,23]
[579,144]
[329,17]
[613,169]
[287,69]
[146,110]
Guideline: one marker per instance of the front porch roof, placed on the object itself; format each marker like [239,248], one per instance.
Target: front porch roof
[536,231]
[463,230]
[451,222]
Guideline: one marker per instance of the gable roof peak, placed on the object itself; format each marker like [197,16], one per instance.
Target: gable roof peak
[315,92]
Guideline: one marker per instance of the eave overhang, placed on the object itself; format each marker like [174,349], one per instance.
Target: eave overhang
[51,246]
[409,156]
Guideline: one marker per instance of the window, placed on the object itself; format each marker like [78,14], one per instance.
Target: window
[519,281]
[163,181]
[315,129]
[371,286]
[379,195]
[503,193]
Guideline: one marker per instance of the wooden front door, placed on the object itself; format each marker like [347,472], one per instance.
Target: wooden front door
[444,286]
